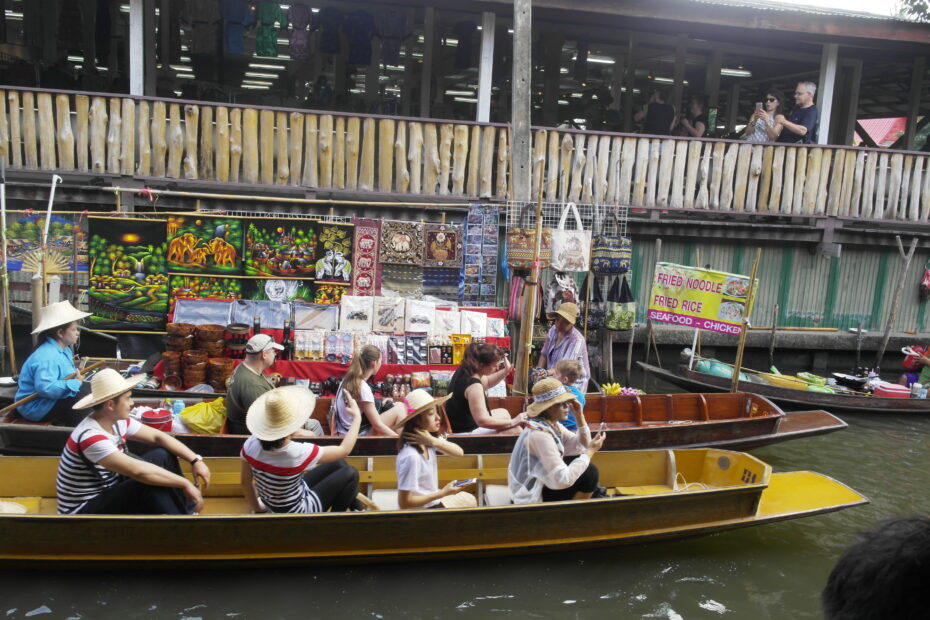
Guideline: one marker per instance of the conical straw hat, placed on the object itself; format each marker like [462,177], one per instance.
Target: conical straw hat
[105,385]
[60,313]
[280,412]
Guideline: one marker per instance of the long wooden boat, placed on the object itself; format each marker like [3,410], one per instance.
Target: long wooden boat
[631,422]
[666,494]
[787,397]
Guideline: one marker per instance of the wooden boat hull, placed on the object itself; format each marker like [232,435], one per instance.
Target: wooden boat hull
[787,397]
[741,492]
[658,421]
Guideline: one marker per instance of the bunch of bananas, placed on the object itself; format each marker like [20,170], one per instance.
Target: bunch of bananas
[611,388]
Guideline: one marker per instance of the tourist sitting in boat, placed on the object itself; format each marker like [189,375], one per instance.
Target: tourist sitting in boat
[249,381]
[417,469]
[565,342]
[98,475]
[567,372]
[364,365]
[483,366]
[538,471]
[46,371]
[283,476]
[917,368]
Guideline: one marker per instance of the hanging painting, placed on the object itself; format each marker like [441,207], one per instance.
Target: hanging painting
[367,272]
[128,278]
[203,287]
[334,252]
[442,245]
[205,244]
[24,239]
[327,293]
[283,248]
[401,243]
[275,289]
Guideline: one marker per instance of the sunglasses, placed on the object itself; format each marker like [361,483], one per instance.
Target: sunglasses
[771,99]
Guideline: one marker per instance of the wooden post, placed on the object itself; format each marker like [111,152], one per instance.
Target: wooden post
[296,147]
[159,140]
[485,67]
[266,146]
[913,102]
[521,88]
[828,61]
[15,155]
[175,141]
[235,144]
[114,136]
[46,132]
[339,152]
[29,130]
[353,144]
[65,134]
[128,154]
[898,293]
[98,126]
[649,335]
[429,46]
[772,338]
[525,344]
[712,79]
[144,139]
[734,385]
[401,174]
[311,144]
[207,157]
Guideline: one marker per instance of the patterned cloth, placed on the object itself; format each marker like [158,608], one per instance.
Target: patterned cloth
[299,16]
[367,274]
[402,281]
[441,283]
[442,245]
[267,35]
[392,28]
[237,16]
[401,243]
[200,18]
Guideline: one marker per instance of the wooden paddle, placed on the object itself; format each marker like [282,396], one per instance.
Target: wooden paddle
[34,396]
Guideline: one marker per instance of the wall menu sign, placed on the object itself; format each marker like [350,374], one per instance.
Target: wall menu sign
[700,298]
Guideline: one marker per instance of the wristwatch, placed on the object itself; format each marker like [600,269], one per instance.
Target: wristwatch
[197,458]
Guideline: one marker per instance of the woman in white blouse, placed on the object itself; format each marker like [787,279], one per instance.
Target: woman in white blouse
[538,471]
[761,126]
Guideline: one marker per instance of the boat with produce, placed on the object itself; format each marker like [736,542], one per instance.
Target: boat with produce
[789,392]
[630,421]
[653,495]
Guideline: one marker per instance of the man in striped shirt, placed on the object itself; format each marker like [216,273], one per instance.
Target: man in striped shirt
[97,474]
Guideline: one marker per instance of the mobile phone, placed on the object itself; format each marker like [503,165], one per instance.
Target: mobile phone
[465,483]
[758,105]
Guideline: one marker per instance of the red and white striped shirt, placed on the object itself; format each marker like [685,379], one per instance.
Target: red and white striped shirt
[79,481]
[278,475]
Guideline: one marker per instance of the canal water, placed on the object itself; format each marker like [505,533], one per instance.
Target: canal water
[770,572]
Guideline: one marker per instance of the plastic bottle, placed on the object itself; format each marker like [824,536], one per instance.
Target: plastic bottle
[177,406]
[922,392]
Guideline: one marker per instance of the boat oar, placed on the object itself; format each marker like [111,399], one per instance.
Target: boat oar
[858,347]
[772,341]
[32,397]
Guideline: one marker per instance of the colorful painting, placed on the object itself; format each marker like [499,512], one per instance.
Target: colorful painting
[202,287]
[367,278]
[204,244]
[442,245]
[328,293]
[24,238]
[128,275]
[334,252]
[284,248]
[273,289]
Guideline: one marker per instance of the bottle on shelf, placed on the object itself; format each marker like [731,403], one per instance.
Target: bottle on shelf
[286,343]
[256,325]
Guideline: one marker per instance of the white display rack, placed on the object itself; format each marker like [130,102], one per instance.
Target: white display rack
[593,216]
[342,219]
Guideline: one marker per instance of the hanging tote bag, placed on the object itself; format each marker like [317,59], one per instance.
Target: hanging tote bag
[571,249]
[592,306]
[611,252]
[621,306]
[521,240]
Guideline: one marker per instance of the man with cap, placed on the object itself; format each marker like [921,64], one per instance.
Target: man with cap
[97,474]
[565,342]
[46,370]
[248,382]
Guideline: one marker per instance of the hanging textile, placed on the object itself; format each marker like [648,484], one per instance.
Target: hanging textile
[443,284]
[402,281]
[330,21]
[465,33]
[401,243]
[392,28]
[442,245]
[200,19]
[266,37]
[299,17]
[367,274]
[237,16]
[334,252]
[359,26]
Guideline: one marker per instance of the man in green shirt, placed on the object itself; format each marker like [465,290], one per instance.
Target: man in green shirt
[248,382]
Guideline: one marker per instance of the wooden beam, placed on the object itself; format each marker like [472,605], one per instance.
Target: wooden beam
[825,90]
[522,99]
[712,79]
[854,73]
[913,101]
[486,67]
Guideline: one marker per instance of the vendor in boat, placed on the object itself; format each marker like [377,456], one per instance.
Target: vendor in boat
[364,366]
[920,369]
[483,366]
[97,474]
[564,342]
[417,470]
[46,371]
[538,471]
[249,381]
[283,476]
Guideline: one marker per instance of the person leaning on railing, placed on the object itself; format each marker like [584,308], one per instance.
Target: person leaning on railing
[800,127]
[761,126]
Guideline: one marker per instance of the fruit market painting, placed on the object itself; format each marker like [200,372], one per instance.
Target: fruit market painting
[203,287]
[24,240]
[128,278]
[201,244]
[284,249]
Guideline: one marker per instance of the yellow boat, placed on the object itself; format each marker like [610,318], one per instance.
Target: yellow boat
[665,494]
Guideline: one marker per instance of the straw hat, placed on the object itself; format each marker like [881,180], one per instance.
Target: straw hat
[547,393]
[419,401]
[57,314]
[105,385]
[279,412]
[568,311]
[462,499]
[12,508]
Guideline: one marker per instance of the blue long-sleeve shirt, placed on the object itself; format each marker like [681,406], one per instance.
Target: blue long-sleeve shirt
[44,373]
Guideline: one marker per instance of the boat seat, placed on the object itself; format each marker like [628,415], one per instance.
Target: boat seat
[497,495]
[386,499]
[670,483]
[33,505]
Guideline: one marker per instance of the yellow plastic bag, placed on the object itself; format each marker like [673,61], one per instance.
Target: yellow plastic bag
[205,417]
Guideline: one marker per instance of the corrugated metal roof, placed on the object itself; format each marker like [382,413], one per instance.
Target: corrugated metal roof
[783,7]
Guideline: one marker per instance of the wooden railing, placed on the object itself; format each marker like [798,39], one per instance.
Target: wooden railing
[62,131]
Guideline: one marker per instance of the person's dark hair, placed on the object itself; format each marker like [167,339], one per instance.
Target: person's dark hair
[774,92]
[701,100]
[273,444]
[662,94]
[51,332]
[409,427]
[480,354]
[884,574]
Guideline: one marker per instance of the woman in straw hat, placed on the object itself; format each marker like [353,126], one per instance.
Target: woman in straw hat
[280,475]
[45,371]
[417,470]
[565,342]
[97,474]
[483,366]
[538,471]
